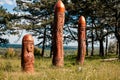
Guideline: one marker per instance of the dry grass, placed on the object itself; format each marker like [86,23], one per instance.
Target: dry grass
[93,69]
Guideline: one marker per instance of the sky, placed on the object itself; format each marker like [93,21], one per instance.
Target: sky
[13,39]
[8,4]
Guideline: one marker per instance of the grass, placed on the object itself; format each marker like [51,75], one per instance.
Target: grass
[93,69]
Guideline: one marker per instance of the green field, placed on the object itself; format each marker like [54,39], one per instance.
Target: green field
[93,69]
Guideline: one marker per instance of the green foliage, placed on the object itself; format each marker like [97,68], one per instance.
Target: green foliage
[37,52]
[3,41]
[112,47]
[7,66]
[2,75]
[4,16]
[10,53]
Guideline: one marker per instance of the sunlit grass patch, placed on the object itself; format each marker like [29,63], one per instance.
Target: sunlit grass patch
[93,69]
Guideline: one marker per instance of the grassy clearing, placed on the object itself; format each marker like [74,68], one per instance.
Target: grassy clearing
[93,69]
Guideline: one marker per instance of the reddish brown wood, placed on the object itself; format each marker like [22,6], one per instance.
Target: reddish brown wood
[27,56]
[58,52]
[81,40]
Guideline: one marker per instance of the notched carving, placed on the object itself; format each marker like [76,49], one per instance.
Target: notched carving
[27,61]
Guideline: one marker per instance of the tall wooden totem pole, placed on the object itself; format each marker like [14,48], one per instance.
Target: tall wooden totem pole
[27,56]
[81,40]
[59,17]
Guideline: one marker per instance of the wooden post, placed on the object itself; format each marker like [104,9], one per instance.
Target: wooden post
[81,40]
[27,56]
[59,17]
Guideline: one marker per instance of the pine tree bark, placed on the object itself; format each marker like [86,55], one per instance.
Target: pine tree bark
[119,51]
[86,47]
[101,50]
[106,49]
[52,43]
[44,40]
[92,51]
[117,48]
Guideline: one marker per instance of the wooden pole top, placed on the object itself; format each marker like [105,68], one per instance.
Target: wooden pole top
[28,37]
[59,6]
[82,21]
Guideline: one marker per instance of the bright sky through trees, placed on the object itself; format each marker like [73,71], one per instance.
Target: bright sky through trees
[9,5]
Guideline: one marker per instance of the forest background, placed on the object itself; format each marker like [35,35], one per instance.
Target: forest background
[36,17]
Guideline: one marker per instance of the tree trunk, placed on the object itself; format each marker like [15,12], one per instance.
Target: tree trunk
[118,38]
[106,49]
[92,51]
[44,40]
[51,51]
[117,31]
[117,48]
[86,47]
[52,44]
[101,52]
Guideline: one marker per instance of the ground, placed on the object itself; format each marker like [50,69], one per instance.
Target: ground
[94,68]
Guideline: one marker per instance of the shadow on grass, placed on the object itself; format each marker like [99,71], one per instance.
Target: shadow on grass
[100,57]
[73,57]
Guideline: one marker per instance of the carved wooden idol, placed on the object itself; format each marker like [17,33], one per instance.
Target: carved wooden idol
[81,40]
[27,56]
[58,52]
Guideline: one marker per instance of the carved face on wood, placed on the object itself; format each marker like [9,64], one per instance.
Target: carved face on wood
[30,46]
[28,43]
[27,53]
